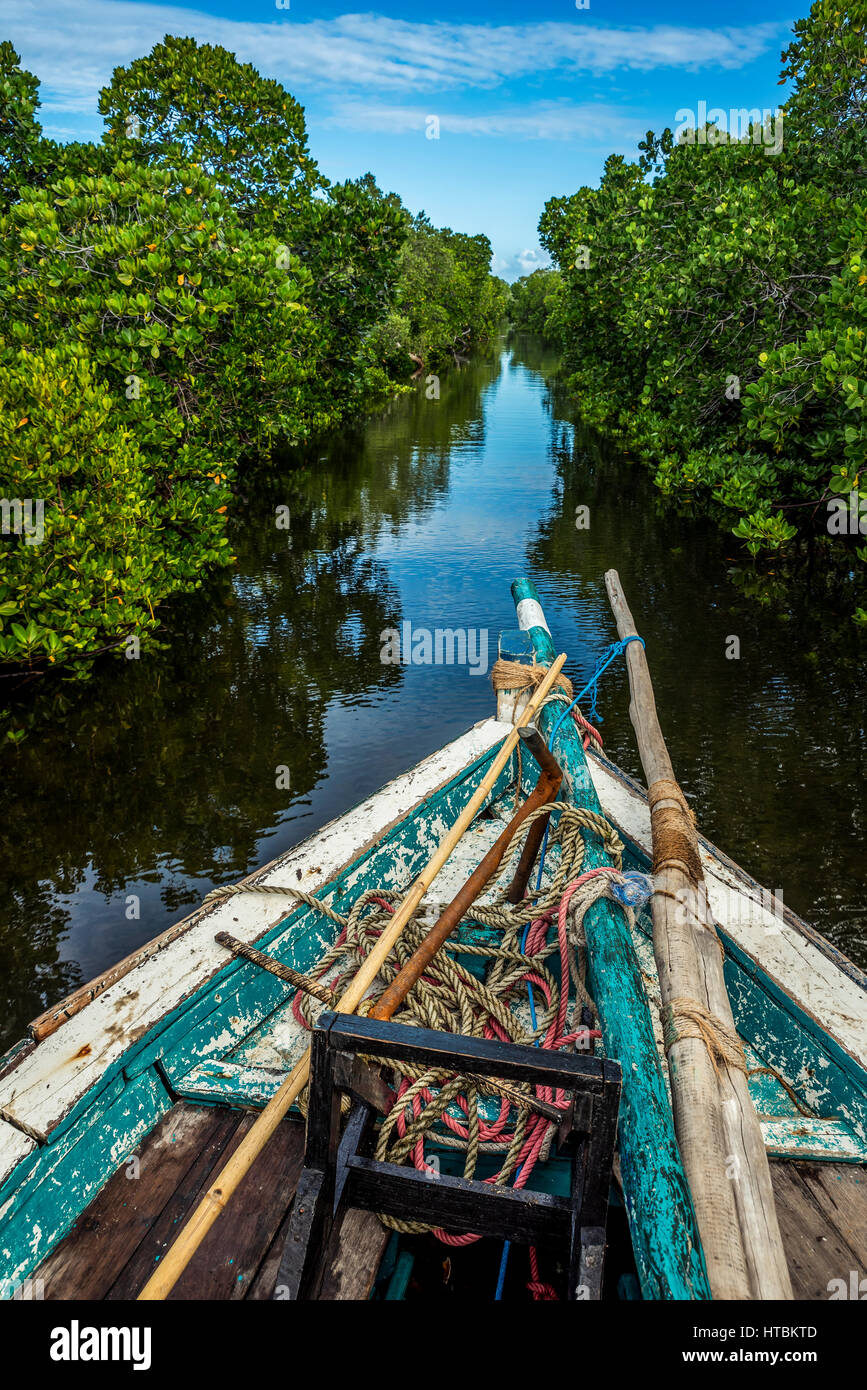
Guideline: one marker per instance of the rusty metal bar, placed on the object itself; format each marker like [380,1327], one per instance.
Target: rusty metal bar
[276,967]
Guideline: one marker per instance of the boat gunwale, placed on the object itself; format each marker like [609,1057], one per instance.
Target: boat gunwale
[791,918]
[845,1062]
[472,761]
[113,1069]
[21,1051]
[838,1052]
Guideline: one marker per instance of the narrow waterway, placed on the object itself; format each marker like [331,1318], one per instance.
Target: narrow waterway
[168,775]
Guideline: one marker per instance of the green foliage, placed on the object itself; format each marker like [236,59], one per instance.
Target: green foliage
[480,301]
[188,317]
[493,305]
[349,242]
[531,301]
[826,133]
[445,298]
[20,132]
[109,546]
[205,296]
[27,159]
[189,103]
[715,317]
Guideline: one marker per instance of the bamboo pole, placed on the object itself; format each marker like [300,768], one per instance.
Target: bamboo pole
[172,1266]
[718,1131]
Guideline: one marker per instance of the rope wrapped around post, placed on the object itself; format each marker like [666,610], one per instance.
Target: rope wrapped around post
[718,1131]
[684,1018]
[673,823]
[517,676]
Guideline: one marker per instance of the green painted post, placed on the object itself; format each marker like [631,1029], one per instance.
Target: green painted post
[662,1222]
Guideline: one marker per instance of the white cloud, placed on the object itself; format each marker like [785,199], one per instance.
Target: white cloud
[530,260]
[592,123]
[522,263]
[73,47]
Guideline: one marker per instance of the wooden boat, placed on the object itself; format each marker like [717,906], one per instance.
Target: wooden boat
[119,1108]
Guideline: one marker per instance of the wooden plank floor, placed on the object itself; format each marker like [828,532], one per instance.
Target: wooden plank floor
[822,1211]
[120,1237]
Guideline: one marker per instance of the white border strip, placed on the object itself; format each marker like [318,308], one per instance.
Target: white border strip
[530,615]
[800,969]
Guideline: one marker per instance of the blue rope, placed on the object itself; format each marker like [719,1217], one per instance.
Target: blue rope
[593,684]
[595,718]
[501,1277]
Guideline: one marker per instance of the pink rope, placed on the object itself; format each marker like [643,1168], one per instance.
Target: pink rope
[542,1293]
[555,1039]
[590,733]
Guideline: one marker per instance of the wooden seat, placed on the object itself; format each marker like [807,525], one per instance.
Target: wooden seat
[341,1173]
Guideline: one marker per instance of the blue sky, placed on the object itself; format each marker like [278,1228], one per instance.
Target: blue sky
[529,102]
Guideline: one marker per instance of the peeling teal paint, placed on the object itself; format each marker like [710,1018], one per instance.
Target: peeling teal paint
[67,1175]
[665,1238]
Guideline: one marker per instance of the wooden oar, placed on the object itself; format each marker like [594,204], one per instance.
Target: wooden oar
[176,1259]
[718,1131]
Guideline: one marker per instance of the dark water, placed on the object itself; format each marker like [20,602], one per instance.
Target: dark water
[162,779]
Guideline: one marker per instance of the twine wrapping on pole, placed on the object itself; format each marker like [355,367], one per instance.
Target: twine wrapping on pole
[718,1130]
[674,840]
[685,1018]
[517,676]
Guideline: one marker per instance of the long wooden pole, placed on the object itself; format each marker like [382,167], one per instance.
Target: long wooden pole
[662,1224]
[718,1131]
[176,1259]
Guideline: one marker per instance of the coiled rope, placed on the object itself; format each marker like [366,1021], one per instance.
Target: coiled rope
[442,1107]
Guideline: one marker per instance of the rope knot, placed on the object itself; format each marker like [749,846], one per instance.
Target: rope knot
[686,1018]
[517,675]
